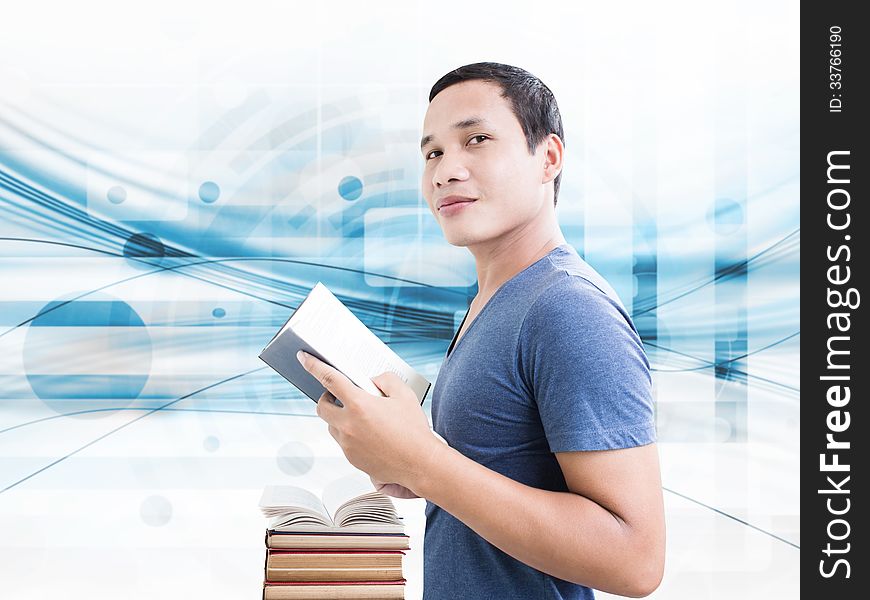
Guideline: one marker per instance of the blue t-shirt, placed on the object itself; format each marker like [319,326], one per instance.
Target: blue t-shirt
[552,363]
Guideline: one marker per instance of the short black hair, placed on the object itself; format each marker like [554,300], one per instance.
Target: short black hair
[532,102]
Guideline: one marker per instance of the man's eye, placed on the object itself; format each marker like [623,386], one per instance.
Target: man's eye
[483,137]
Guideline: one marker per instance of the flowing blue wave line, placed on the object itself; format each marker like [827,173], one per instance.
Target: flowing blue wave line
[19,205]
[785,245]
[312,415]
[58,151]
[120,408]
[642,305]
[740,375]
[78,216]
[431,316]
[408,319]
[62,303]
[734,373]
[150,412]
[173,250]
[84,225]
[402,316]
[732,517]
[708,364]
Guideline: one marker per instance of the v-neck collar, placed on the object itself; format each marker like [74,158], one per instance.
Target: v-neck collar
[456,335]
[454,343]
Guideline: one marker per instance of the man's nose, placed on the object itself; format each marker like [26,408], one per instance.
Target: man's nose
[450,168]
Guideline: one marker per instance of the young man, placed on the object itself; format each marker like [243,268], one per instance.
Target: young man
[550,484]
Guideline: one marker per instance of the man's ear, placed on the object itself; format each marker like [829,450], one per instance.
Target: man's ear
[554,151]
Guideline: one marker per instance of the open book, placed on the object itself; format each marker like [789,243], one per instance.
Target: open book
[349,505]
[324,327]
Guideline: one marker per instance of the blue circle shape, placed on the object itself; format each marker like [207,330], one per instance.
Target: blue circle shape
[112,337]
[156,511]
[116,194]
[295,458]
[219,313]
[350,188]
[209,192]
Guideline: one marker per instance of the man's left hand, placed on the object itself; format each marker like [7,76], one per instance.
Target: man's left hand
[387,437]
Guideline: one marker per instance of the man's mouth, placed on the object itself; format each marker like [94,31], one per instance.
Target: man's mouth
[450,200]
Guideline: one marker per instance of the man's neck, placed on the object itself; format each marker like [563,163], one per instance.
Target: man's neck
[498,262]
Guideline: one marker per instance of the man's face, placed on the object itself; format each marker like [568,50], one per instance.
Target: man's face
[477,149]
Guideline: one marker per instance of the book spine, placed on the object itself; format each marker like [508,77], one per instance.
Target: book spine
[333,575]
[266,567]
[309,551]
[402,581]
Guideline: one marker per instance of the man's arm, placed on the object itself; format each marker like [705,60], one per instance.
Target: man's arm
[608,532]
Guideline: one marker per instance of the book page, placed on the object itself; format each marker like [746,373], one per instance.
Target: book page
[280,501]
[340,491]
[288,323]
[371,508]
[340,337]
[352,500]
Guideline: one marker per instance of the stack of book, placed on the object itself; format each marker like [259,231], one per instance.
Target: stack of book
[347,545]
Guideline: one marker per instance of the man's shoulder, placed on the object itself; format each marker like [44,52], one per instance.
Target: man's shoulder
[573,287]
[579,277]
[574,299]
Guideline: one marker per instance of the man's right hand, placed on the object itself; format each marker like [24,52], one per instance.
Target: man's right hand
[393,489]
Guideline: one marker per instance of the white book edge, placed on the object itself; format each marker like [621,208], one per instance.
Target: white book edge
[348,327]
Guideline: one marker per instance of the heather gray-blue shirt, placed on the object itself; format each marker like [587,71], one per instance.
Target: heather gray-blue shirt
[552,363]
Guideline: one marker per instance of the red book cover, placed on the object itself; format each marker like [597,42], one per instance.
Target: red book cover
[396,582]
[335,551]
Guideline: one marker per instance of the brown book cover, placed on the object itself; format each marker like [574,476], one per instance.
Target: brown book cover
[324,590]
[325,541]
[288,559]
[333,565]
[333,574]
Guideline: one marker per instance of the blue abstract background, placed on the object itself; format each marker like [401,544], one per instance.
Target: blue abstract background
[174,179]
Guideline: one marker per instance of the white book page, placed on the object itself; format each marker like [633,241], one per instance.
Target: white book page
[289,323]
[327,324]
[340,491]
[374,508]
[280,501]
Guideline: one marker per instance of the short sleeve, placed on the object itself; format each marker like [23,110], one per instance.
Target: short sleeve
[582,360]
